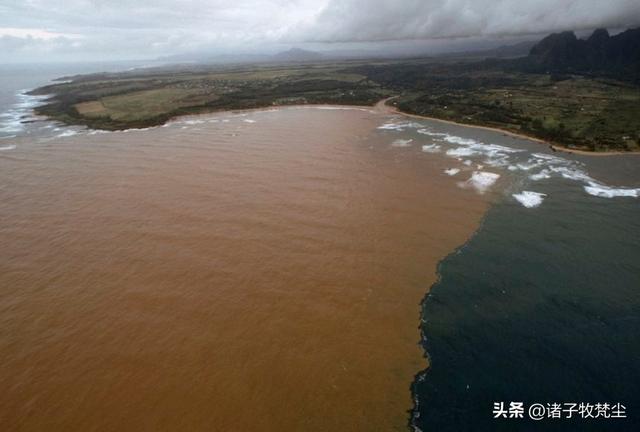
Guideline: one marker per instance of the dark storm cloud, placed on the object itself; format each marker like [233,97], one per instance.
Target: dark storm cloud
[33,29]
[375,20]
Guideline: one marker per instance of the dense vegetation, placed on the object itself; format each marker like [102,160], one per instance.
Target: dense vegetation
[573,111]
[579,94]
[151,97]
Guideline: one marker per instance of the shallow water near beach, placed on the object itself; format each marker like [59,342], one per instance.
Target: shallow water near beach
[542,305]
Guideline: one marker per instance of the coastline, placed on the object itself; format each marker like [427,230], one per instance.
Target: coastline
[267,108]
[553,147]
[164,120]
[380,106]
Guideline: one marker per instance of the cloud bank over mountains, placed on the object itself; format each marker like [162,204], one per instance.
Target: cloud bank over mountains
[373,20]
[77,29]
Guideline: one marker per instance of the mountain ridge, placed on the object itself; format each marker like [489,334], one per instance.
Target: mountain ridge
[599,54]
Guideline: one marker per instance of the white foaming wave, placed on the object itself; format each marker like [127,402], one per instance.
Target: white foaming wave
[8,147]
[548,157]
[468,162]
[424,131]
[20,111]
[481,181]
[13,125]
[544,174]
[391,126]
[571,173]
[529,199]
[496,155]
[99,131]
[550,165]
[67,133]
[480,147]
[431,148]
[137,129]
[461,152]
[497,162]
[570,170]
[103,131]
[249,121]
[527,166]
[495,149]
[29,101]
[402,143]
[499,156]
[193,122]
[459,140]
[452,171]
[399,126]
[604,191]
[7,137]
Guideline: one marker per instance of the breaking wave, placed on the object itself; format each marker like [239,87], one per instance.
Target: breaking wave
[529,199]
[402,143]
[13,120]
[481,180]
[534,167]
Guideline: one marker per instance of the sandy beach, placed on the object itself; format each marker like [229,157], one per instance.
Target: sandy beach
[383,105]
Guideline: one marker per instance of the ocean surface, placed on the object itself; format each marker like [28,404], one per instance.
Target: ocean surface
[539,306]
[265,270]
[247,271]
[16,107]
[542,305]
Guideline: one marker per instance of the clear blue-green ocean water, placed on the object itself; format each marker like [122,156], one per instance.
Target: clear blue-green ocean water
[542,306]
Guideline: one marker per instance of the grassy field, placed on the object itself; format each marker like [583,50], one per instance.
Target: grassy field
[142,104]
[140,99]
[581,113]
[573,111]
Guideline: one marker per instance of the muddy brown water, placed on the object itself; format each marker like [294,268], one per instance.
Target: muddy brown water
[221,276]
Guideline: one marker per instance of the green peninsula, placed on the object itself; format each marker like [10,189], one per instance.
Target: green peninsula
[573,105]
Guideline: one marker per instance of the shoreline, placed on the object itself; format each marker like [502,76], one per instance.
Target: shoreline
[169,119]
[553,147]
[380,106]
[370,108]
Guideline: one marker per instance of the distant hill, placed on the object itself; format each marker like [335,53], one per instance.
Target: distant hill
[297,55]
[516,50]
[292,55]
[599,54]
[208,58]
[520,49]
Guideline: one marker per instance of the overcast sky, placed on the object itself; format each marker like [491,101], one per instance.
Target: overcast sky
[124,29]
